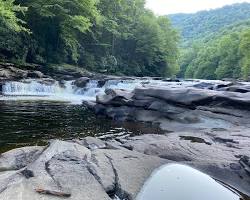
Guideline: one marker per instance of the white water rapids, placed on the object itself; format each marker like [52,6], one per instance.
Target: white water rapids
[67,91]
[32,89]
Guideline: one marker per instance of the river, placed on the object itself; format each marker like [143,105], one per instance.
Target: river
[32,113]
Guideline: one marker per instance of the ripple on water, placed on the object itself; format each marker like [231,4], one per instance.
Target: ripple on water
[25,123]
[180,182]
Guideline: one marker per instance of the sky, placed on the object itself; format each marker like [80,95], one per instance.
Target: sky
[164,7]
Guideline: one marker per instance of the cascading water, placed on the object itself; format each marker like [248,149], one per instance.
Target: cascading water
[33,88]
[67,91]
[53,90]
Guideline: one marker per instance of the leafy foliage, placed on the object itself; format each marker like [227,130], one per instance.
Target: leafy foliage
[115,36]
[206,23]
[213,50]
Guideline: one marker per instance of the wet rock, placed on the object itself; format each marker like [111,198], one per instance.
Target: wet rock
[204,85]
[46,81]
[81,82]
[101,83]
[35,74]
[1,87]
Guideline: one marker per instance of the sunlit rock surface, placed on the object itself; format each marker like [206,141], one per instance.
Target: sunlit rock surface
[94,169]
[178,182]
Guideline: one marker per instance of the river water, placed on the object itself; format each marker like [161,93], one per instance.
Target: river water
[33,113]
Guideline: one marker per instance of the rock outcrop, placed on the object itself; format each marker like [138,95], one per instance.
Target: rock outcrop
[206,128]
[177,109]
[93,169]
[75,171]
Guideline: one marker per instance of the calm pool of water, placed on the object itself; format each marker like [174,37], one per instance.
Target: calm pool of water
[25,123]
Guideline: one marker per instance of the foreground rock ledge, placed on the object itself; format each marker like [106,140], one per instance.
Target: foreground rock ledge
[92,169]
[88,169]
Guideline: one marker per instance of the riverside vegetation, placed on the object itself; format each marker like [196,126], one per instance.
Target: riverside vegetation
[122,37]
[119,37]
[216,43]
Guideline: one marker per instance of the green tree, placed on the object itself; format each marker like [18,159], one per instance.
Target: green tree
[57,26]
[245,51]
[228,66]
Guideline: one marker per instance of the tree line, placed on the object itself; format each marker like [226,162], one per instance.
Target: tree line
[113,36]
[226,55]
[216,43]
[205,23]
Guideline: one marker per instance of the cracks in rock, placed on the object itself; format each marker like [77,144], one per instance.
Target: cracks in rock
[92,170]
[218,111]
[117,187]
[94,160]
[52,176]
[245,163]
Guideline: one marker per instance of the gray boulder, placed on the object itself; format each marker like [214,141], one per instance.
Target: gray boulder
[81,82]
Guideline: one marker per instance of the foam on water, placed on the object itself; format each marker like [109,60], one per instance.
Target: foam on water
[36,90]
[32,89]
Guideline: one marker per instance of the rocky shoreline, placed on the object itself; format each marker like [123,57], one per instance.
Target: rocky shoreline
[95,169]
[205,125]
[205,128]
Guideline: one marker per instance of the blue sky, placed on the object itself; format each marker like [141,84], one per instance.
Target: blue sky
[163,7]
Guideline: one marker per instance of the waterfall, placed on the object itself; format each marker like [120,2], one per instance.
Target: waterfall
[31,89]
[36,88]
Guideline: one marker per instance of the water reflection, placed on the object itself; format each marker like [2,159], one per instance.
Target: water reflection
[25,123]
[180,182]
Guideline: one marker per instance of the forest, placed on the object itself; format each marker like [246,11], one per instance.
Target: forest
[112,36]
[122,37]
[215,44]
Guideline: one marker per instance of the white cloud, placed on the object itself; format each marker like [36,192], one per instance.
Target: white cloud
[163,7]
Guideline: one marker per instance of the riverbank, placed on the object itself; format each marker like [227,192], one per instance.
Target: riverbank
[204,124]
[93,169]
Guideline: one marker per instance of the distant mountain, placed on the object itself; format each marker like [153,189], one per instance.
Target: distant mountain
[202,24]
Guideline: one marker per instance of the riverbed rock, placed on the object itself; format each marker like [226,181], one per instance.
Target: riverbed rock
[35,74]
[81,82]
[177,108]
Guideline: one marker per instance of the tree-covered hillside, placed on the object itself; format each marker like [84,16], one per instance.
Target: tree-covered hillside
[215,45]
[202,24]
[115,36]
